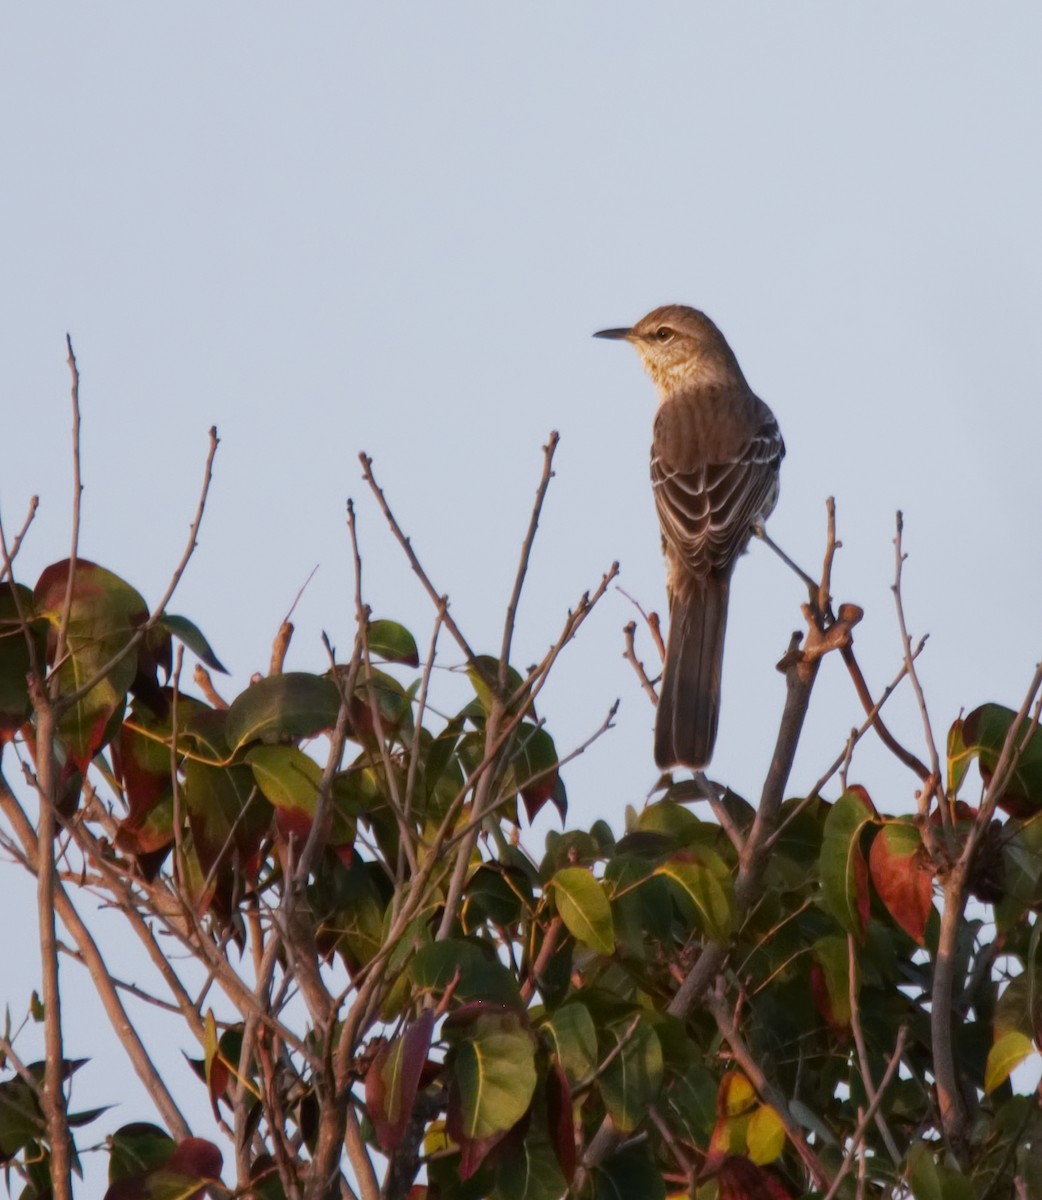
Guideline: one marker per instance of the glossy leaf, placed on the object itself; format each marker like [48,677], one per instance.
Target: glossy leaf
[191,1167]
[736,1095]
[290,781]
[484,675]
[534,768]
[830,980]
[765,1135]
[493,1069]
[349,908]
[1008,1051]
[708,890]
[584,908]
[392,642]
[1021,867]
[190,634]
[633,1079]
[15,657]
[136,1148]
[575,1040]
[983,735]
[481,977]
[530,1171]
[294,705]
[902,876]
[104,615]
[627,1175]
[844,874]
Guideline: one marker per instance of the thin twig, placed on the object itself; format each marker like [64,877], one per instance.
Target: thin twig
[71,698]
[524,558]
[854,1154]
[935,763]
[10,555]
[862,1051]
[77,498]
[767,1092]
[414,562]
[630,655]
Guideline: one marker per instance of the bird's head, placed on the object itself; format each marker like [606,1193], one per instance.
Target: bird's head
[680,347]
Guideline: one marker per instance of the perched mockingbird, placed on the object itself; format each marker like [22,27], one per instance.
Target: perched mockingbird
[714,470]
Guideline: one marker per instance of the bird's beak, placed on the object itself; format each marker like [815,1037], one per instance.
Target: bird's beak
[615,334]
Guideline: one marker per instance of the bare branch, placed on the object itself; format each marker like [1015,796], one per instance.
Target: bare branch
[523,560]
[10,555]
[935,774]
[630,655]
[436,596]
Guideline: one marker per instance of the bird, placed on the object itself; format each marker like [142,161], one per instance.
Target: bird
[715,459]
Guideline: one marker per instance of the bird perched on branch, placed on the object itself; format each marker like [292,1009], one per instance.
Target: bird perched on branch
[715,458]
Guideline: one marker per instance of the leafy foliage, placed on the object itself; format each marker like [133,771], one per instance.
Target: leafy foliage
[649,1010]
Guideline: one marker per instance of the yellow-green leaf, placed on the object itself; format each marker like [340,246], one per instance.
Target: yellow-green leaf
[765,1135]
[1006,1054]
[584,908]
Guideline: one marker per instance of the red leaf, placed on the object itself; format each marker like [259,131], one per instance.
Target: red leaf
[393,1078]
[740,1179]
[819,990]
[902,877]
[472,1151]
[559,1118]
[196,1156]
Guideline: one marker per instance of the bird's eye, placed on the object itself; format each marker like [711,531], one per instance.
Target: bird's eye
[664,334]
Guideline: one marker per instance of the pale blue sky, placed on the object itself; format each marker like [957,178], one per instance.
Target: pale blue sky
[335,227]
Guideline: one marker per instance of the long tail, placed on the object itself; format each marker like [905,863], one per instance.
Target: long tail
[689,698]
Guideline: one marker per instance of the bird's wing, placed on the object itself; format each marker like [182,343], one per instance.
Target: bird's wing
[707,512]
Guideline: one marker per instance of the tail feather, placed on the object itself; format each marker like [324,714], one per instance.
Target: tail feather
[689,698]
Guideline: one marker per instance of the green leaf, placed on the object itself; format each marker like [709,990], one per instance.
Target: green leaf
[189,633]
[628,1175]
[136,1148]
[349,909]
[530,1171]
[294,705]
[533,769]
[21,1120]
[15,659]
[711,895]
[584,908]
[832,957]
[493,1067]
[632,1080]
[497,895]
[392,642]
[844,874]
[481,976]
[691,1097]
[1021,850]
[488,673]
[227,814]
[1006,1054]
[290,780]
[575,1040]
[984,734]
[922,1173]
[104,616]
[959,758]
